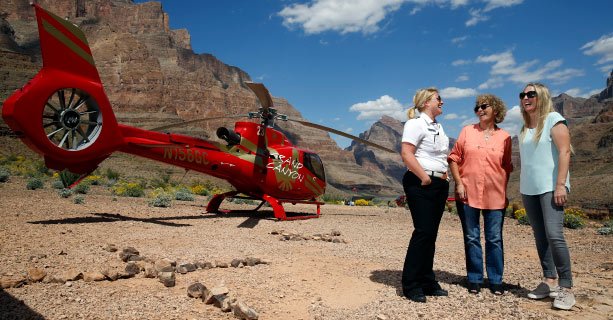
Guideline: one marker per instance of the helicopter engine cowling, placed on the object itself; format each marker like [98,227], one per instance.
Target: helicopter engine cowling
[228,135]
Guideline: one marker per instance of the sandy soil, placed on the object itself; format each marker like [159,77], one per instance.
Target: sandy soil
[305,279]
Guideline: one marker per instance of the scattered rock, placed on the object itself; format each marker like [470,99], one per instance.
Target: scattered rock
[110,248]
[132,268]
[167,278]
[242,311]
[196,290]
[93,276]
[36,274]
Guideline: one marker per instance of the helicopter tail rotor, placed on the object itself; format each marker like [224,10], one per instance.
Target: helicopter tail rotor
[63,112]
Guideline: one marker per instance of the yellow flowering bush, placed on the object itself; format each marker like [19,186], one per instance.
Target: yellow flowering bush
[362,202]
[128,189]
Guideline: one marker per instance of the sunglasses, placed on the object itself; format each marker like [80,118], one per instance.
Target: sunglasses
[529,94]
[482,107]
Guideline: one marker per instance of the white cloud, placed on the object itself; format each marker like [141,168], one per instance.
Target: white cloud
[337,119]
[373,110]
[344,16]
[513,121]
[347,16]
[349,130]
[459,41]
[577,92]
[601,47]
[505,68]
[462,78]
[451,116]
[493,4]
[492,83]
[475,17]
[460,62]
[455,93]
[607,68]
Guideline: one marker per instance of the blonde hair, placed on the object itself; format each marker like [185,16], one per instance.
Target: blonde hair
[419,100]
[544,106]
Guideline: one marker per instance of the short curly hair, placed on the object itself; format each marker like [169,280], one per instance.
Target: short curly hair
[498,106]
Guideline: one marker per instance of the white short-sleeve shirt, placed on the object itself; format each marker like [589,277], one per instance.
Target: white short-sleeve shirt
[430,141]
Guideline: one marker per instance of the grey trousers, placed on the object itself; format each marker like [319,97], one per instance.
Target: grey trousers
[547,221]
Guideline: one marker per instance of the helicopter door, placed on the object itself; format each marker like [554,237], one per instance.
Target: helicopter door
[314,164]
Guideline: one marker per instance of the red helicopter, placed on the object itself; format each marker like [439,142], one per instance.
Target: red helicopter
[64,115]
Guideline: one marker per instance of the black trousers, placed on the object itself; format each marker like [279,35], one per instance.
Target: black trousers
[427,204]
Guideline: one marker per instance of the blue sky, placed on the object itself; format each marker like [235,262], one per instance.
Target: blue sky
[345,63]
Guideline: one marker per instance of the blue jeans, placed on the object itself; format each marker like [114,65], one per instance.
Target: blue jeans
[494,251]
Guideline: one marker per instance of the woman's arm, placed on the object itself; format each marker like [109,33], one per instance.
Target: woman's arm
[407,153]
[561,138]
[459,186]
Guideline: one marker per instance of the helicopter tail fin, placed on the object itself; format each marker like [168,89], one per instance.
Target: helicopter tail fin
[63,113]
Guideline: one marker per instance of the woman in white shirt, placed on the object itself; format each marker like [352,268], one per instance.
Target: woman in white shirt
[424,151]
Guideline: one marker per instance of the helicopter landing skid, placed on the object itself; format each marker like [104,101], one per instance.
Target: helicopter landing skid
[276,204]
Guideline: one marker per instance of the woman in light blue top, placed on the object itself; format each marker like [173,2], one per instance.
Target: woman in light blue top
[544,146]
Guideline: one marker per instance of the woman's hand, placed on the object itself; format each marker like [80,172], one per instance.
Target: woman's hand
[560,196]
[460,191]
[426,181]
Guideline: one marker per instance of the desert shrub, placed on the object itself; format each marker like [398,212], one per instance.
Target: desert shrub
[162,180]
[79,199]
[574,218]
[521,216]
[606,229]
[93,180]
[199,190]
[68,177]
[243,201]
[128,189]
[57,184]
[82,188]
[65,193]
[34,183]
[333,197]
[4,174]
[363,202]
[161,200]
[111,174]
[451,207]
[184,194]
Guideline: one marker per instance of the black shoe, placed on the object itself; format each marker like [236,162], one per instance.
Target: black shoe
[497,289]
[474,288]
[439,292]
[416,295]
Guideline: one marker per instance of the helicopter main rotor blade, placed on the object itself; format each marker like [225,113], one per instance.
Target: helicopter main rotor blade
[174,125]
[340,133]
[262,93]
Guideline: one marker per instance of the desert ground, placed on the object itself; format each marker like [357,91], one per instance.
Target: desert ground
[356,277]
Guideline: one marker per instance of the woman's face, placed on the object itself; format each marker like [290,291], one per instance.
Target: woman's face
[528,99]
[485,112]
[435,104]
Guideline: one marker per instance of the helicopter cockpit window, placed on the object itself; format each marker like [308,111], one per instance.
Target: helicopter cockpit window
[314,164]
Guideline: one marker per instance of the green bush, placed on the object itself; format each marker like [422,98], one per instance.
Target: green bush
[34,183]
[65,193]
[574,218]
[82,188]
[521,216]
[184,195]
[162,200]
[200,190]
[79,199]
[4,174]
[111,174]
[68,177]
[128,189]
[57,184]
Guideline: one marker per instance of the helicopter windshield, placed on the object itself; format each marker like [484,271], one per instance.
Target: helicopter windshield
[314,164]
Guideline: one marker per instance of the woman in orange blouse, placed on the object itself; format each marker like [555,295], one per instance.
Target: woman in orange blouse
[480,163]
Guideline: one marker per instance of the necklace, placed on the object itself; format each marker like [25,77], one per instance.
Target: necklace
[487,133]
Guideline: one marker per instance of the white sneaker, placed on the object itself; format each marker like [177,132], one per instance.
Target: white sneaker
[565,299]
[542,291]
[553,293]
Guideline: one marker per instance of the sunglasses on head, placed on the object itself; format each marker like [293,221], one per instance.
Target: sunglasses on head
[482,107]
[529,94]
